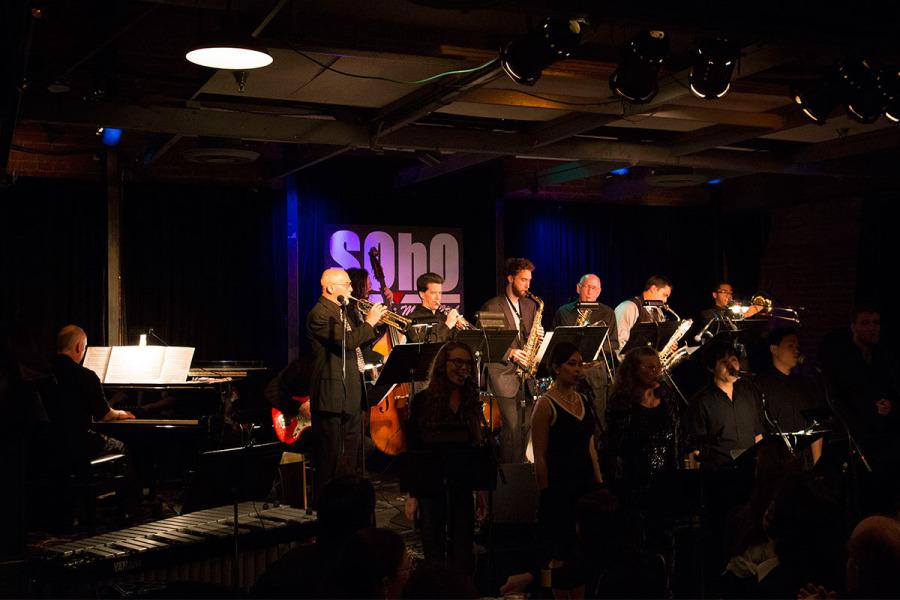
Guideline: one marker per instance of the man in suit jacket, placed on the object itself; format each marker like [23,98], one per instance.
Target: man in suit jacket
[336,381]
[519,312]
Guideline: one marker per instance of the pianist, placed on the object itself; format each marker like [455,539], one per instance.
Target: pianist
[80,400]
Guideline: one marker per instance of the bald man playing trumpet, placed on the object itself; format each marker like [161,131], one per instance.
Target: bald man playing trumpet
[336,383]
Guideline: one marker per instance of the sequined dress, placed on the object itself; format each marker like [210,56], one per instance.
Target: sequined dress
[643,442]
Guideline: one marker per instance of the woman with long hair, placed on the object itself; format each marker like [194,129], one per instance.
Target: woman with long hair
[565,465]
[446,458]
[643,424]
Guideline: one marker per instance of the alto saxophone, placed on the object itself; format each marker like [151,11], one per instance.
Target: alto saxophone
[527,368]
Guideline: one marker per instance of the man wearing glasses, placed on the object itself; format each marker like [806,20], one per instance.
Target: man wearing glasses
[336,380]
[723,298]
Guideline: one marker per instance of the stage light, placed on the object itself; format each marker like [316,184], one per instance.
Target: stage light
[892,95]
[230,56]
[110,136]
[526,56]
[714,182]
[819,99]
[713,66]
[863,89]
[634,79]
[622,171]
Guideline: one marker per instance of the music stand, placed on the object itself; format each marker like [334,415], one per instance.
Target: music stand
[655,334]
[231,476]
[588,339]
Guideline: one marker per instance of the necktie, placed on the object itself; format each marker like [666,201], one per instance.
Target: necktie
[360,363]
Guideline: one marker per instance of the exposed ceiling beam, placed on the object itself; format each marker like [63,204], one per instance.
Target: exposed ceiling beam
[451,164]
[216,123]
[309,161]
[556,175]
[863,143]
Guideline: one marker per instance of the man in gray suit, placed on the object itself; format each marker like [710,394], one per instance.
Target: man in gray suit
[519,312]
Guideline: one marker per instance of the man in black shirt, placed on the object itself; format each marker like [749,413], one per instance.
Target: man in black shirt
[787,395]
[725,418]
[723,296]
[588,289]
[430,287]
[80,400]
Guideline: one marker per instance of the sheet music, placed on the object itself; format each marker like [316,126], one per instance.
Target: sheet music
[176,364]
[135,364]
[544,343]
[96,359]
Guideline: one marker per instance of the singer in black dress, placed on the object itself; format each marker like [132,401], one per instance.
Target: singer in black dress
[447,458]
[565,462]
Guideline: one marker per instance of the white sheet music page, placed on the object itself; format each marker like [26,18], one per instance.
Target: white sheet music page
[135,364]
[176,364]
[96,359]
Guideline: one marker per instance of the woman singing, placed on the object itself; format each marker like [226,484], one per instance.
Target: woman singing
[565,465]
[446,460]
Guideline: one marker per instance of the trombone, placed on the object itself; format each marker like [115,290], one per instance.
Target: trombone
[391,319]
[766,307]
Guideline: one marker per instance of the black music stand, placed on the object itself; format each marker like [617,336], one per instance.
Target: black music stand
[655,334]
[231,476]
[588,339]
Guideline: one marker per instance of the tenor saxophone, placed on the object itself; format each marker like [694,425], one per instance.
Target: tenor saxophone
[527,368]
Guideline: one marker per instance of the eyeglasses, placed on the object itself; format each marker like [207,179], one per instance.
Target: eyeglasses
[725,292]
[460,362]
[342,284]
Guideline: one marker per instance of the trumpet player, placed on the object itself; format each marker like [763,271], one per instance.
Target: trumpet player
[336,379]
[430,288]
[519,311]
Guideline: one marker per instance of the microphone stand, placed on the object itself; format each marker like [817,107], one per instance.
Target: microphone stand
[773,422]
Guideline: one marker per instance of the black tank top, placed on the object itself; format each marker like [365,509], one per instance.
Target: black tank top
[569,463]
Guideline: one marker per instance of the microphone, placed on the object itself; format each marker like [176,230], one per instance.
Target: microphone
[342,301]
[801,359]
[740,373]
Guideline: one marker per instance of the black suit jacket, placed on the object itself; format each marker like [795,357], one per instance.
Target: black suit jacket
[324,329]
[502,379]
[439,332]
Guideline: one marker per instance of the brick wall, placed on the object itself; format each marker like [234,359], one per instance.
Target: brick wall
[70,156]
[810,260]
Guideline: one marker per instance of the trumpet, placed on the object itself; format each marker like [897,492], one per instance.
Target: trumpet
[461,324]
[391,319]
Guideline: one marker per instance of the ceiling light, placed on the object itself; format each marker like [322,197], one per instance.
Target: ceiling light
[526,56]
[714,62]
[635,78]
[234,57]
[819,99]
[863,89]
[622,171]
[110,136]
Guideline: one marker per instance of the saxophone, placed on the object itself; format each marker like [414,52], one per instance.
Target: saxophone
[669,356]
[528,368]
[583,315]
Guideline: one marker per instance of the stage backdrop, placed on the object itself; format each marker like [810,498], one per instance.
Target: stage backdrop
[406,253]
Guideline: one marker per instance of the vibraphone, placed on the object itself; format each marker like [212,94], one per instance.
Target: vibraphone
[198,547]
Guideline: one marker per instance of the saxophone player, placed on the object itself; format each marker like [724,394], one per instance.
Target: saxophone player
[519,312]
[596,375]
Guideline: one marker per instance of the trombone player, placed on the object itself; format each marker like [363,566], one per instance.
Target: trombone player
[336,380]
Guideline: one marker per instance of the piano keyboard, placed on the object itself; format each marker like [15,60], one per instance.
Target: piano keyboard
[198,546]
[162,422]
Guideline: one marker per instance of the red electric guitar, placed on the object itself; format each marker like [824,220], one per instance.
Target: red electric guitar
[291,429]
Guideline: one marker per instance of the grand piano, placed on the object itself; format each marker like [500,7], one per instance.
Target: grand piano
[218,406]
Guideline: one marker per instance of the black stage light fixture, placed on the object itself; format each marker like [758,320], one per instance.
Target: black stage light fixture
[819,98]
[714,61]
[892,94]
[526,56]
[634,79]
[863,89]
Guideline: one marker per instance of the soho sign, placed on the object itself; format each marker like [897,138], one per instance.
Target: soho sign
[406,253]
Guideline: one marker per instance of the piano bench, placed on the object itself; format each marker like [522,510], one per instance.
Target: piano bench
[294,481]
[101,477]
